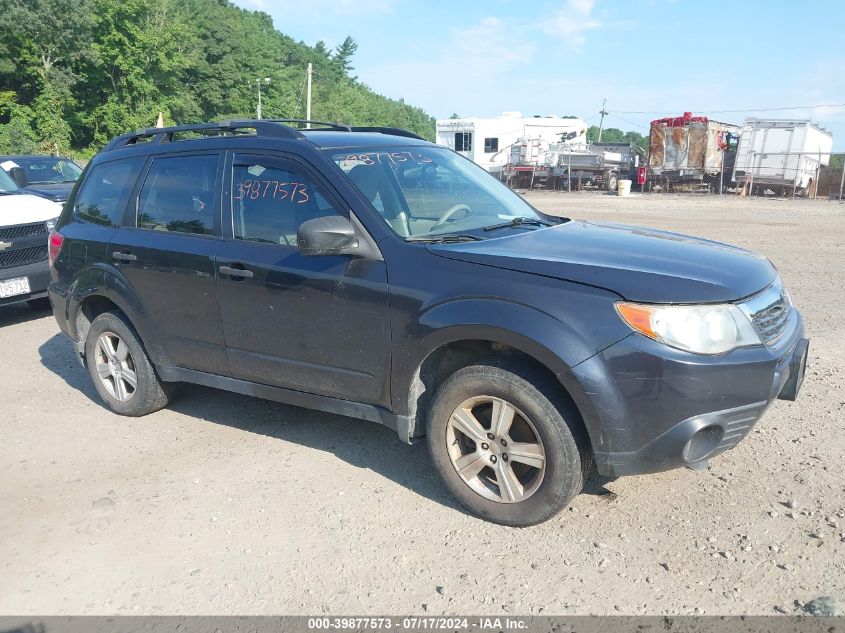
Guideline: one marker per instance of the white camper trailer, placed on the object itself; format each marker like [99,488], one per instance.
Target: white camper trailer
[487,142]
[781,155]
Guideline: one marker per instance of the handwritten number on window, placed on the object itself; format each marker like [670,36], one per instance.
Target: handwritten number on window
[293,192]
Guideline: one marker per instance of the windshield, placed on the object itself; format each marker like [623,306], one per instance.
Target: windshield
[7,185]
[47,169]
[430,191]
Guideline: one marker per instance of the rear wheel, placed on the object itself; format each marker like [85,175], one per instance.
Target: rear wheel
[506,447]
[120,369]
[611,180]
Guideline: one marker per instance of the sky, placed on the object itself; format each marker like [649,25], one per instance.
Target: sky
[649,58]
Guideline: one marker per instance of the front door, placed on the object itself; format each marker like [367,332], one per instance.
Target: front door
[316,324]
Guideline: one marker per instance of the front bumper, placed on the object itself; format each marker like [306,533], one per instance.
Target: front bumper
[39,277]
[649,408]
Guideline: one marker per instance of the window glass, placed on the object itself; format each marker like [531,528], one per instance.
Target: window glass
[491,145]
[178,195]
[48,169]
[430,190]
[6,183]
[463,141]
[106,191]
[271,199]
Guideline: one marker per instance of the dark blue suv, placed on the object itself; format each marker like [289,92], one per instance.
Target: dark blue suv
[367,272]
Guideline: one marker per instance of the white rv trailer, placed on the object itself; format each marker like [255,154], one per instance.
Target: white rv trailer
[487,142]
[781,154]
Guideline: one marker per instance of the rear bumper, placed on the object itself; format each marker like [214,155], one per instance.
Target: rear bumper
[38,275]
[650,408]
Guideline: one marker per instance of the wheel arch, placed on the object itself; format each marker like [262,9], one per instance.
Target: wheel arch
[478,345]
[111,292]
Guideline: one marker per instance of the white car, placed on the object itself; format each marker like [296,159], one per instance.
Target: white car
[25,224]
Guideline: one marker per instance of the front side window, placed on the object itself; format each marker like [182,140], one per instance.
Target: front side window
[463,141]
[272,197]
[106,190]
[426,190]
[178,195]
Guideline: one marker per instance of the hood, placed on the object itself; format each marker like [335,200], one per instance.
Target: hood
[55,191]
[23,208]
[639,264]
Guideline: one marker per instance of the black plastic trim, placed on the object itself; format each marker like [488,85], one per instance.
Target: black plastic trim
[399,423]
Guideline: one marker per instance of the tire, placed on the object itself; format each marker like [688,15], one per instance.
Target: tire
[540,416]
[42,303]
[611,181]
[128,361]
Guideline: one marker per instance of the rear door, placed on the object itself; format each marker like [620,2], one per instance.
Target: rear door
[313,324]
[165,255]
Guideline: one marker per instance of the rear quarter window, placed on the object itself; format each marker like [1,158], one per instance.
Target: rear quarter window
[103,197]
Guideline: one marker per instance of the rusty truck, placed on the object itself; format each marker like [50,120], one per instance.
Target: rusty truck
[691,152]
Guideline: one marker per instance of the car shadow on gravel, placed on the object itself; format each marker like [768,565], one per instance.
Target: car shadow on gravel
[362,444]
[57,355]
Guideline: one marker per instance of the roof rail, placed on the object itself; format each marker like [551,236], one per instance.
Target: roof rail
[392,131]
[334,126]
[274,128]
[262,127]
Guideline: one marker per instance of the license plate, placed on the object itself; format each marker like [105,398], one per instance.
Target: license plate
[14,287]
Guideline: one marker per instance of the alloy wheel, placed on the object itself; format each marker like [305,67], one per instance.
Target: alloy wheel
[495,449]
[116,367]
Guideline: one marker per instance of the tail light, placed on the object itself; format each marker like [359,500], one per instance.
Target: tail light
[54,245]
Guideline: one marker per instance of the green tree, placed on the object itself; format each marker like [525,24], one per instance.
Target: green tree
[46,40]
[17,136]
[82,71]
[343,55]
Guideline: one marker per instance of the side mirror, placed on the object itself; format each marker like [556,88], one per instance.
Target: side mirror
[330,235]
[19,176]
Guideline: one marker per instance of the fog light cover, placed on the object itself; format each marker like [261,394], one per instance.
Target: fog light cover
[703,443]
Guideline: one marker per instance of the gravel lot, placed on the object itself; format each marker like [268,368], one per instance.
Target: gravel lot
[224,504]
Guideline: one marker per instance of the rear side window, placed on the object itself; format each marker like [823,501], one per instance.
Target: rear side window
[271,198]
[178,195]
[105,192]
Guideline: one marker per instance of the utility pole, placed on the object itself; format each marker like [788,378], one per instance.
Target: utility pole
[603,113]
[308,74]
[258,85]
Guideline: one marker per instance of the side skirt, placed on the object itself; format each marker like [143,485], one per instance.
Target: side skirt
[402,424]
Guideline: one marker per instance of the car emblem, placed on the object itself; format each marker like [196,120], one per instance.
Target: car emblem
[4,245]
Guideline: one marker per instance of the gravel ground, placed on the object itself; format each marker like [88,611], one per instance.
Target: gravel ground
[224,504]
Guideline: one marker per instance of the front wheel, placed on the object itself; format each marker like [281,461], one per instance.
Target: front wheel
[506,447]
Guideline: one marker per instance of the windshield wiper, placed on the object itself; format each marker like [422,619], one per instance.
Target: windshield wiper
[443,239]
[520,221]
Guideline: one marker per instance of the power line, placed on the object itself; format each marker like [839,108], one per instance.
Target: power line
[639,125]
[819,105]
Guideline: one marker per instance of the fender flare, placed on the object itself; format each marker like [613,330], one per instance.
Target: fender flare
[550,342]
[106,282]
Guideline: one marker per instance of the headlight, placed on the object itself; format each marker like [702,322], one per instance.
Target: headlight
[51,224]
[703,329]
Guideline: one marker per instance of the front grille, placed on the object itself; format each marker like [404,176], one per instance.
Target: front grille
[23,256]
[22,230]
[769,313]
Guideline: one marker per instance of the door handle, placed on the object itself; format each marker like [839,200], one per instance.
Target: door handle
[237,273]
[123,257]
